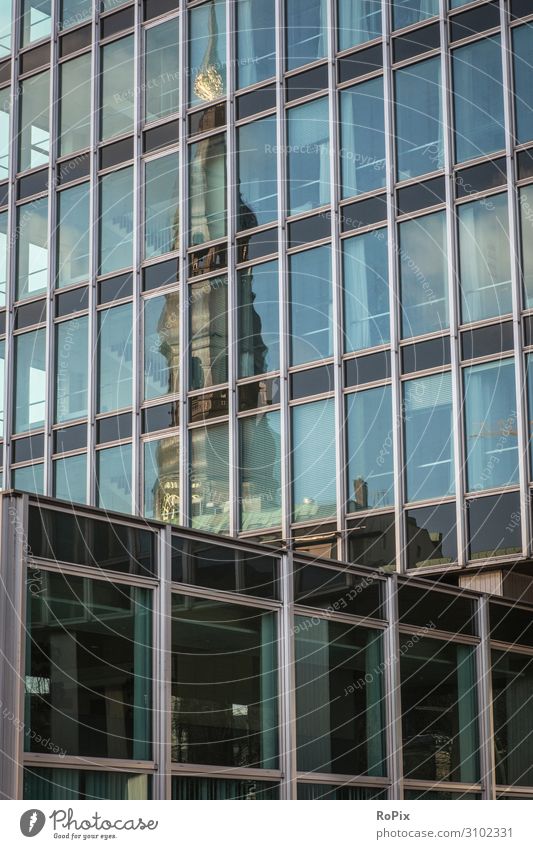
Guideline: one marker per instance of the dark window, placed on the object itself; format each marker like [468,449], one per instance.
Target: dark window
[30,448]
[161,417]
[118,22]
[35,58]
[30,314]
[360,63]
[205,564]
[528,329]
[117,152]
[73,169]
[73,301]
[363,213]
[421,195]
[207,119]
[32,184]
[70,438]
[432,609]
[161,274]
[114,288]
[211,405]
[487,340]
[256,101]
[5,72]
[479,178]
[153,8]
[494,525]
[307,82]
[475,20]
[260,393]
[525,163]
[338,592]
[4,194]
[206,260]
[367,369]
[416,42]
[314,381]
[258,245]
[161,136]
[372,542]
[512,685]
[431,535]
[309,230]
[520,8]
[510,624]
[2,322]
[423,355]
[113,428]
[75,40]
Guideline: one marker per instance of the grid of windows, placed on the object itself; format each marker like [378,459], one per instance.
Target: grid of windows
[246,292]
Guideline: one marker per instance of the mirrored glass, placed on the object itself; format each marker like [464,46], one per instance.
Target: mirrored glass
[209,506]
[407,12]
[307,31]
[478,99]
[258,319]
[34,122]
[358,22]
[113,478]
[260,471]
[308,159]
[5,110]
[423,275]
[256,41]
[116,221]
[161,345]
[419,135]
[313,461]
[161,209]
[523,81]
[257,173]
[207,52]
[209,333]
[117,88]
[32,248]
[70,479]
[366,290]
[30,381]
[36,20]
[161,70]
[369,446]
[115,354]
[311,305]
[162,479]
[428,418]
[73,235]
[207,190]
[75,104]
[362,150]
[71,364]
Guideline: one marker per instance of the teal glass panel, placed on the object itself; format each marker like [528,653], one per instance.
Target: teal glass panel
[73,235]
[429,426]
[29,478]
[32,248]
[115,358]
[161,209]
[370,459]
[209,498]
[311,305]
[313,461]
[116,221]
[366,290]
[161,70]
[307,31]
[70,479]
[5,30]
[308,156]
[207,52]
[5,110]
[358,22]
[525,198]
[362,152]
[260,471]
[258,319]
[117,88]
[30,381]
[36,20]
[2,384]
[71,364]
[208,315]
[419,135]
[162,479]
[478,99]
[423,275]
[523,81]
[256,41]
[34,122]
[75,105]
[3,258]
[161,345]
[207,190]
[257,173]
[113,478]
[73,12]
[407,12]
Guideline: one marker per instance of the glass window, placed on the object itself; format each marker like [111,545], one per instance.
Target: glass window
[529,362]
[419,137]
[2,384]
[311,305]
[34,138]
[161,210]
[224,684]
[366,290]
[260,471]
[115,358]
[32,248]
[161,70]
[525,197]
[71,359]
[73,239]
[74,12]
[220,788]
[512,684]
[207,52]
[70,479]
[370,470]
[258,319]
[36,20]
[117,88]
[113,478]
[423,275]
[431,535]
[5,30]
[116,221]
[207,190]
[208,313]
[256,41]
[162,479]
[478,99]
[308,160]
[30,381]
[3,257]
[407,12]
[75,104]
[523,81]
[29,478]
[50,783]
[339,715]
[88,678]
[209,472]
[358,22]
[490,424]
[439,710]
[257,173]
[484,258]
[494,526]
[307,31]
[338,791]
[313,461]
[429,422]
[161,345]
[5,110]
[362,152]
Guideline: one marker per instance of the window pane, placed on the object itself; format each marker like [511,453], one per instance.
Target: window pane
[161,212]
[116,221]
[88,682]
[113,478]
[71,358]
[3,257]
[75,104]
[115,353]
[370,472]
[36,20]
[209,333]
[358,22]
[362,151]
[313,461]
[5,31]
[490,423]
[207,52]
[311,305]
[207,190]
[366,290]
[439,710]
[30,381]
[419,138]
[5,109]
[523,81]
[161,70]
[340,717]
[529,365]
[525,197]
[484,258]
[2,384]
[162,479]
[512,683]
[161,345]
[70,479]
[257,173]
[423,275]
[34,139]
[30,478]
[32,248]
[308,161]
[478,99]
[210,478]
[307,31]
[74,12]
[73,239]
[429,437]
[50,783]
[431,535]
[256,41]
[260,471]
[220,788]
[258,320]
[117,88]
[407,12]
[224,684]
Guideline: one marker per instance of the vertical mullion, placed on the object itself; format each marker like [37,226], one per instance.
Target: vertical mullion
[138,230]
[93,339]
[393,701]
[185,470]
[233,455]
[484,696]
[287,682]
[162,682]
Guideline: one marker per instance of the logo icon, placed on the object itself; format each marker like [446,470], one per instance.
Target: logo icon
[32,822]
